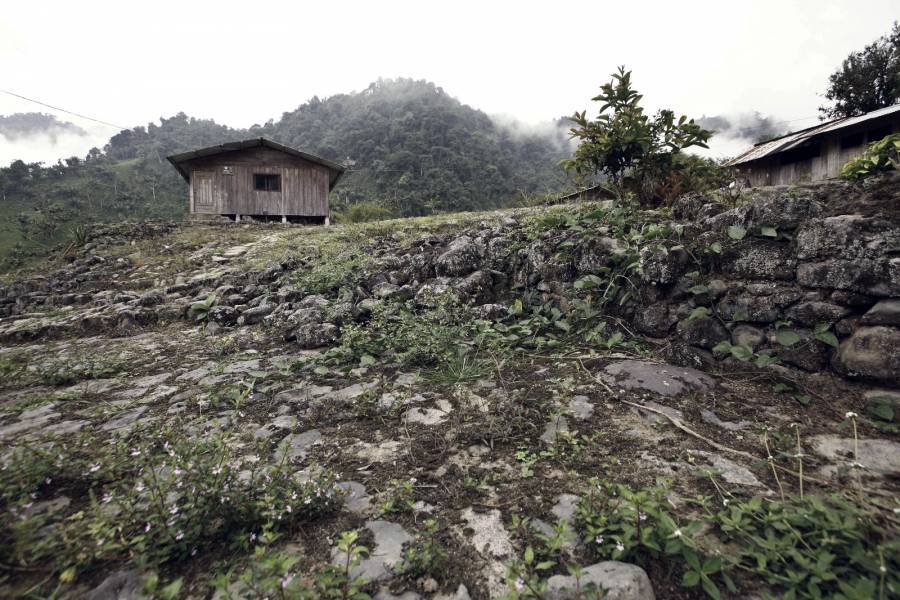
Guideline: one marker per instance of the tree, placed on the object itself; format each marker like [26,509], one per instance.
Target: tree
[867,80]
[623,142]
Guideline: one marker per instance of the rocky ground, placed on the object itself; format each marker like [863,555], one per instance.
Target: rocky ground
[523,402]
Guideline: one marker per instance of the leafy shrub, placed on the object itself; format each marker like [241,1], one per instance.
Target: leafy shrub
[163,499]
[880,156]
[271,574]
[398,335]
[808,547]
[623,141]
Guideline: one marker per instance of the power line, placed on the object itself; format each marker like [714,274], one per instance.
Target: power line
[64,110]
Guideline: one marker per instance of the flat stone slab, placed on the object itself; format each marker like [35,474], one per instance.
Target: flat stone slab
[386,554]
[622,581]
[659,378]
[877,456]
[356,500]
[712,418]
[125,419]
[581,407]
[565,507]
[490,537]
[296,447]
[429,416]
[729,470]
[553,428]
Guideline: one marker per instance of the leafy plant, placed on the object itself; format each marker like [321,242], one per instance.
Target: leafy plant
[426,557]
[199,311]
[622,140]
[880,156]
[399,497]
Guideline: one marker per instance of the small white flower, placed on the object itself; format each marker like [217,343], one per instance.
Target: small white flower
[882,568]
[850,415]
[642,516]
[620,546]
[179,535]
[520,584]
[252,537]
[677,533]
[599,539]
[47,481]
[725,502]
[147,528]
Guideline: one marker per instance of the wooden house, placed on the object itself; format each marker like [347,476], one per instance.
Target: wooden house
[816,153]
[258,178]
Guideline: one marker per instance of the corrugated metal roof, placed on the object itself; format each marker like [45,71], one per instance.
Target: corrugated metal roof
[793,140]
[177,160]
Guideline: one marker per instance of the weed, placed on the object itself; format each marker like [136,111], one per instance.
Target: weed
[271,574]
[426,557]
[398,498]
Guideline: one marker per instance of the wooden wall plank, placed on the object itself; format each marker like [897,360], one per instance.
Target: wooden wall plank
[304,185]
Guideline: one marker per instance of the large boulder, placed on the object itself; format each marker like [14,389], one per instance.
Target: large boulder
[703,332]
[846,236]
[315,335]
[460,258]
[659,378]
[761,260]
[659,264]
[813,312]
[621,581]
[878,277]
[885,312]
[871,353]
[655,320]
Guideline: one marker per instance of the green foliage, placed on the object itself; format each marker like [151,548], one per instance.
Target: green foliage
[880,156]
[399,497]
[743,353]
[272,574]
[622,140]
[808,547]
[427,556]
[867,80]
[164,498]
[199,311]
[736,232]
[812,547]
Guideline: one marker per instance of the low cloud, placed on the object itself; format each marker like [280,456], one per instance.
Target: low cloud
[556,131]
[39,137]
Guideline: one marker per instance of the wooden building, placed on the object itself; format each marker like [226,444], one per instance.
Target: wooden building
[816,153]
[258,178]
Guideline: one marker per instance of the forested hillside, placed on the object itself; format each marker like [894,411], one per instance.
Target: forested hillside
[413,150]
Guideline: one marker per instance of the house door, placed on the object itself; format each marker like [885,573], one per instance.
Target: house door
[203,189]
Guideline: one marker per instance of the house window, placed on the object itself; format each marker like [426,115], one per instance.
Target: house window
[264,182]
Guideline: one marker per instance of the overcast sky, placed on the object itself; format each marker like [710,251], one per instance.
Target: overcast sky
[242,63]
